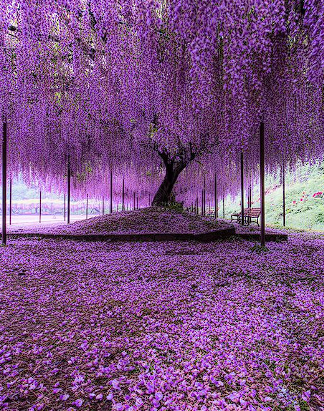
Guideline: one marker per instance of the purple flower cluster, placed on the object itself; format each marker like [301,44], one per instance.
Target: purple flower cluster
[169,326]
[129,85]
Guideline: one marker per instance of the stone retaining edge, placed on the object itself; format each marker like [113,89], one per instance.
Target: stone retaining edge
[201,237]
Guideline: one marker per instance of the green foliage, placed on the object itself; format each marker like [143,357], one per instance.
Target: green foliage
[303,211]
[22,192]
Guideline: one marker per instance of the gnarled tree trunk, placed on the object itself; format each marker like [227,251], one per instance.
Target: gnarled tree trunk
[173,167]
[163,195]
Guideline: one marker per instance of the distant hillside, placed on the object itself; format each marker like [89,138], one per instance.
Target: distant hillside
[304,200]
[22,192]
[304,203]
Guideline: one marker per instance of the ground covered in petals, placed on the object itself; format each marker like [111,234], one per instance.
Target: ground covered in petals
[168,326]
[142,221]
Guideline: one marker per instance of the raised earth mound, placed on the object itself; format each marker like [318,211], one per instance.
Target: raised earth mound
[152,223]
[147,220]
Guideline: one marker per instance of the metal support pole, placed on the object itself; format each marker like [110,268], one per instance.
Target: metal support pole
[69,192]
[283,195]
[10,201]
[123,196]
[242,188]
[250,196]
[204,195]
[204,201]
[40,206]
[64,208]
[4,184]
[87,206]
[111,192]
[223,205]
[215,198]
[134,201]
[262,190]
[249,199]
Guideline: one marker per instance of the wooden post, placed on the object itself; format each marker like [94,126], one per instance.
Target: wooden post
[69,192]
[87,206]
[10,201]
[262,191]
[4,183]
[64,208]
[283,195]
[111,192]
[215,198]
[40,206]
[123,196]
[242,188]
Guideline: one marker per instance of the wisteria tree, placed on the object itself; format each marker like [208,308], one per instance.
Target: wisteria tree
[143,83]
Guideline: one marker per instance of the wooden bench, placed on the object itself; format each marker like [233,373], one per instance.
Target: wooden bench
[251,215]
[237,216]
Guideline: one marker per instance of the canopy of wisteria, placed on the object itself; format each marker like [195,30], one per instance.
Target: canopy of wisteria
[121,83]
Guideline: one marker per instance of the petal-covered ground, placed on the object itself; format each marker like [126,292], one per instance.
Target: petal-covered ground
[167,326]
[145,220]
